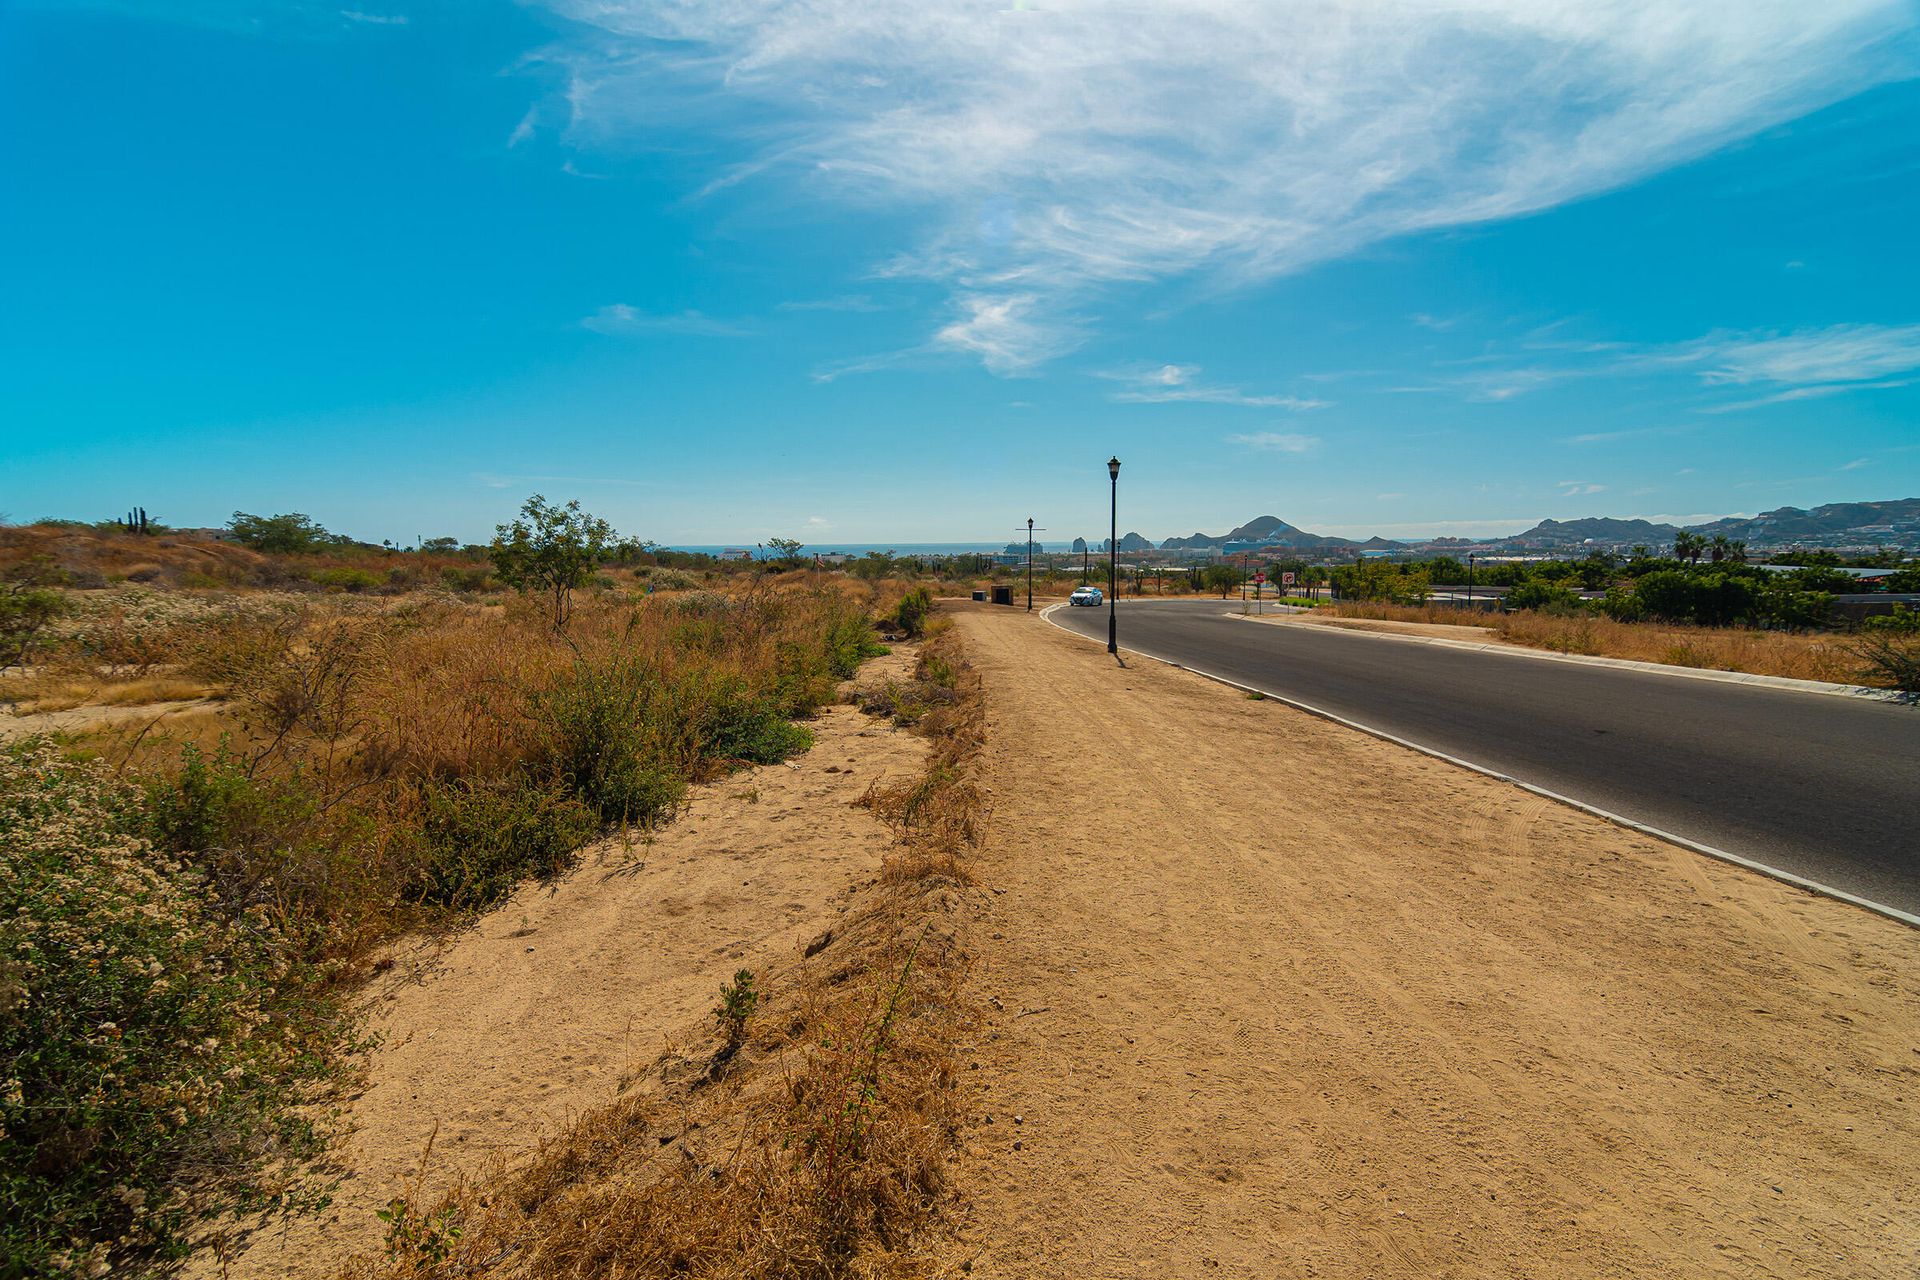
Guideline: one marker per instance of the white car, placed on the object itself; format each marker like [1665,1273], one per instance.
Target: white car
[1087,595]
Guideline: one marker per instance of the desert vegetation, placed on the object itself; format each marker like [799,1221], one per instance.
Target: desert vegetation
[811,1136]
[191,900]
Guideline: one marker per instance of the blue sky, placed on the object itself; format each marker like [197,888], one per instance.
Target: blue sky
[856,273]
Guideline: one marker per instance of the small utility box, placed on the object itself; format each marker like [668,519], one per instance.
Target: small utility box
[981,596]
[1003,595]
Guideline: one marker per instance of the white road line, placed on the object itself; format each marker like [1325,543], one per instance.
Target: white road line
[1619,820]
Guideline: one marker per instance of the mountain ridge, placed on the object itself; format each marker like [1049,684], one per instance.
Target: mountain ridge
[1890,522]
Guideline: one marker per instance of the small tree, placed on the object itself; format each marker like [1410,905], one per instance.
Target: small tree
[788,549]
[549,550]
[288,534]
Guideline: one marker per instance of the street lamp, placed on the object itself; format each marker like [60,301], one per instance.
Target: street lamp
[1470,579]
[1113,552]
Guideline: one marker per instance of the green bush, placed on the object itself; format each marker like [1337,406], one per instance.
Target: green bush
[27,605]
[346,579]
[848,641]
[477,841]
[148,1071]
[1784,606]
[466,578]
[1537,594]
[1709,599]
[1904,620]
[738,724]
[911,615]
[619,737]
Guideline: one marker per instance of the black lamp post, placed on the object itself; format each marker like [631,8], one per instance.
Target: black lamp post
[1113,552]
[1469,578]
[1029,564]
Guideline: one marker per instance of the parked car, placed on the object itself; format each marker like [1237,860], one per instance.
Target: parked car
[1087,595]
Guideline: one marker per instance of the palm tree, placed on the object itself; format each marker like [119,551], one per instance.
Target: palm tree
[1687,545]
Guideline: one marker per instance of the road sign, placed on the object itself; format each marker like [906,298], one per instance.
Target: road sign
[1259,577]
[1286,579]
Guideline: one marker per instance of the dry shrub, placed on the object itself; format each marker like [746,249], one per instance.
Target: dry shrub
[1797,655]
[816,1148]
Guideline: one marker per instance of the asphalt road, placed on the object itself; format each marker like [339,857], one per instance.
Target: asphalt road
[1821,786]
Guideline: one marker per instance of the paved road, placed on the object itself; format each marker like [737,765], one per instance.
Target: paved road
[1821,786]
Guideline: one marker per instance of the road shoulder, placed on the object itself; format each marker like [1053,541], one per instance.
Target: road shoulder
[1268,995]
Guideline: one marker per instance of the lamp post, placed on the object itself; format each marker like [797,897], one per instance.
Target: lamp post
[1469,579]
[1029,564]
[1113,552]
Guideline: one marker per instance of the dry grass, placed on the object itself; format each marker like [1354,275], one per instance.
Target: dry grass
[1797,655]
[818,1148]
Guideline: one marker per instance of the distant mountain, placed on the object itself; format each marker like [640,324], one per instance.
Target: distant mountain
[1571,533]
[1895,522]
[1267,530]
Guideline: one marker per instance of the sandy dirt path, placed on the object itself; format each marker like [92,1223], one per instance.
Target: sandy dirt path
[1267,997]
[536,1012]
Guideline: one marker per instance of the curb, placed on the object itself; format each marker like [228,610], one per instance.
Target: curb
[1618,820]
[1788,684]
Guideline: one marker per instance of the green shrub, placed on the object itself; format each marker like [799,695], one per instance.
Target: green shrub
[1785,606]
[1904,620]
[466,578]
[618,737]
[477,841]
[911,615]
[346,579]
[27,605]
[1890,658]
[148,1070]
[1538,594]
[1709,599]
[848,641]
[740,725]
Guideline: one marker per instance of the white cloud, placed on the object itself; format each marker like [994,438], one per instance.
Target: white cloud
[1003,331]
[376,19]
[1579,488]
[1173,383]
[1842,353]
[819,522]
[619,318]
[1276,442]
[523,130]
[845,302]
[1049,152]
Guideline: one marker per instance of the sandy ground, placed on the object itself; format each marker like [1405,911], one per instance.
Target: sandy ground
[536,1012]
[1267,997]
[85,719]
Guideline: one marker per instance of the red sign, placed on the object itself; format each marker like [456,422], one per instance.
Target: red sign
[1286,579]
[1259,577]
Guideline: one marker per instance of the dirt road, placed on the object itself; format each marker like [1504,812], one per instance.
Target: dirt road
[1277,999]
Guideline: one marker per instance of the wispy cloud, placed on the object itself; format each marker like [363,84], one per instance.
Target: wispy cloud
[1174,383]
[1046,153]
[1276,442]
[1803,364]
[1005,332]
[1579,488]
[524,130]
[376,19]
[619,318]
[845,302]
